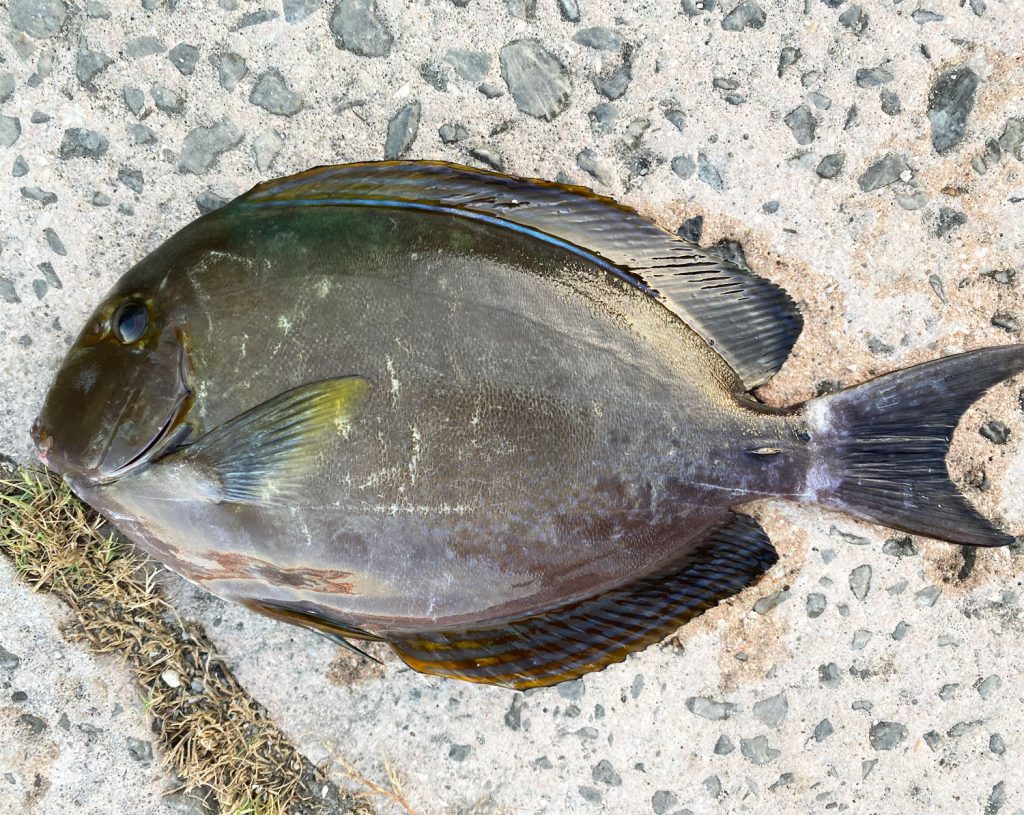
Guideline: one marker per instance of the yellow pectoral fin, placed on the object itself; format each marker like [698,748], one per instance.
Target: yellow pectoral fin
[264,455]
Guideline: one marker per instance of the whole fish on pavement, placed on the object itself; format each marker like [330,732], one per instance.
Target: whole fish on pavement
[503,425]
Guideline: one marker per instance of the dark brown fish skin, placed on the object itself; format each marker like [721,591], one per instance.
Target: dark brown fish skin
[537,429]
[382,401]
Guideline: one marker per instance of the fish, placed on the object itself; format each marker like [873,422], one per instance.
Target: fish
[505,426]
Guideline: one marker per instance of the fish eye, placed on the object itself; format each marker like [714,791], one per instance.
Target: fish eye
[130,321]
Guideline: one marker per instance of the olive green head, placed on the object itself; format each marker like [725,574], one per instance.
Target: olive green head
[122,395]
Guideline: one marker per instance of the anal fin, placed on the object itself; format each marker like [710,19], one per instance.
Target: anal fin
[567,642]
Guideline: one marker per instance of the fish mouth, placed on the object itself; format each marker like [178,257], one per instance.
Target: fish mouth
[170,434]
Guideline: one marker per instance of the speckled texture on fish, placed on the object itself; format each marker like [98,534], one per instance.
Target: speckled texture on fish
[867,156]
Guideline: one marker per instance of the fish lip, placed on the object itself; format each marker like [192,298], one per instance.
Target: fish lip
[172,432]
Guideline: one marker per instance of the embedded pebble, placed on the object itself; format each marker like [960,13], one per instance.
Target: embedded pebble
[10,130]
[89,64]
[771,711]
[989,685]
[773,600]
[855,19]
[40,19]
[79,142]
[570,10]
[470,65]
[452,132]
[708,708]
[684,166]
[184,57]
[459,752]
[208,201]
[298,10]
[272,93]
[590,794]
[486,155]
[142,47]
[537,80]
[900,547]
[872,77]
[724,746]
[253,18]
[709,173]
[523,9]
[167,100]
[604,773]
[823,730]
[599,37]
[887,735]
[140,134]
[402,131]
[231,68]
[8,661]
[996,744]
[787,57]
[132,179]
[204,145]
[802,122]
[831,165]
[662,801]
[829,675]
[948,220]
[358,28]
[134,99]
[20,167]
[995,431]
[927,596]
[816,604]
[6,86]
[890,102]
[589,161]
[950,101]
[885,171]
[746,14]
[266,148]
[140,750]
[54,242]
[44,197]
[691,229]
[615,83]
[860,581]
[757,751]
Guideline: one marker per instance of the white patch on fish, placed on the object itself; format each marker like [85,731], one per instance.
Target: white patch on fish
[820,480]
[396,386]
[86,379]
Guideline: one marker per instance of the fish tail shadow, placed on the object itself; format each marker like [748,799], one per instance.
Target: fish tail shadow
[878,450]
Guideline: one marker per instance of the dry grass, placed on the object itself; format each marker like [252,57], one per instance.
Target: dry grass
[211,733]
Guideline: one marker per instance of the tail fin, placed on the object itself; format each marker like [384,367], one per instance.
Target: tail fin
[878,450]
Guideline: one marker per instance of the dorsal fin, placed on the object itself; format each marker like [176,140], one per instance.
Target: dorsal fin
[751,322]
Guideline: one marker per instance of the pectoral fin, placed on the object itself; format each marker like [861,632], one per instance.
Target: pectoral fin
[264,455]
[567,642]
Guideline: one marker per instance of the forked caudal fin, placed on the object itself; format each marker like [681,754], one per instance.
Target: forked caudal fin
[878,450]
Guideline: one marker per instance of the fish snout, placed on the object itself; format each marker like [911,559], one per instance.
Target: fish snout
[42,438]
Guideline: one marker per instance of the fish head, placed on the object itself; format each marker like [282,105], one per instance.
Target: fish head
[123,394]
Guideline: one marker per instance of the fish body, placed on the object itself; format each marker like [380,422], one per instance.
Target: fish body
[502,425]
